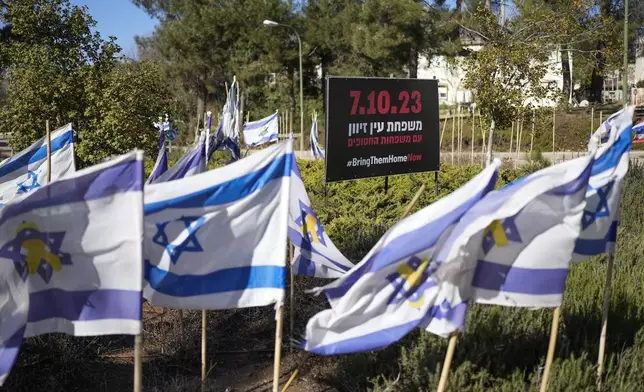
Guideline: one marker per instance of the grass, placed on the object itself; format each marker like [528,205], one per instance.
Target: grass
[502,349]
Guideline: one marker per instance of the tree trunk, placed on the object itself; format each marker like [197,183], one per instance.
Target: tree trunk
[413,62]
[567,76]
[489,144]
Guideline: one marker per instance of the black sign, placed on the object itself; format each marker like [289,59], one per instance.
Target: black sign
[381,126]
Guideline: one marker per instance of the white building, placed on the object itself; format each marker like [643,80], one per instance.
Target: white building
[451,75]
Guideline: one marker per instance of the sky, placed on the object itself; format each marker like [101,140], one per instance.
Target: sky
[121,19]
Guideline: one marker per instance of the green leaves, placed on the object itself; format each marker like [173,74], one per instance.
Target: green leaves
[58,70]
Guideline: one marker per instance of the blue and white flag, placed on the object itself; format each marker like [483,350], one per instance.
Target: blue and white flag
[161,164]
[71,253]
[394,289]
[28,169]
[193,162]
[261,131]
[638,129]
[316,150]
[602,133]
[314,252]
[217,240]
[514,246]
[230,123]
[600,218]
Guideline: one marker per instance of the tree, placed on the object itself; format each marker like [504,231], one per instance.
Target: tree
[58,70]
[507,71]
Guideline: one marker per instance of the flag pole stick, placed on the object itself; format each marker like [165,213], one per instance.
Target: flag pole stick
[602,336]
[511,136]
[453,125]
[413,202]
[292,302]
[203,350]
[278,348]
[138,373]
[472,141]
[48,151]
[443,133]
[551,348]
[451,347]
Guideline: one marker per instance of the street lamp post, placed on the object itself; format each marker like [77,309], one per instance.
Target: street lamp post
[299,43]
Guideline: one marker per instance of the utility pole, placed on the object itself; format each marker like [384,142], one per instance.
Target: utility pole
[625,77]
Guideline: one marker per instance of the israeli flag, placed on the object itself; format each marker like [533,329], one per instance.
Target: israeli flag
[600,218]
[602,133]
[638,129]
[28,169]
[261,131]
[229,123]
[518,241]
[314,252]
[316,150]
[217,240]
[161,164]
[395,289]
[193,162]
[71,257]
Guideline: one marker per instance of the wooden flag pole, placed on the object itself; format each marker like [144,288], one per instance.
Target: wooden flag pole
[554,121]
[551,348]
[451,347]
[534,124]
[511,136]
[472,141]
[413,201]
[278,348]
[138,369]
[48,133]
[453,125]
[203,350]
[483,147]
[443,133]
[602,336]
[291,335]
[592,120]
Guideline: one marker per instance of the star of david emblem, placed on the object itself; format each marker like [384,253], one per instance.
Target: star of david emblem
[35,252]
[189,244]
[411,281]
[310,225]
[602,210]
[501,233]
[28,184]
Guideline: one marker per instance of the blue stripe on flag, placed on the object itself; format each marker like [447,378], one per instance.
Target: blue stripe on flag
[38,154]
[305,266]
[229,191]
[611,157]
[383,338]
[265,139]
[593,247]
[232,279]
[124,177]
[120,178]
[409,243]
[85,305]
[498,277]
[10,351]
[576,185]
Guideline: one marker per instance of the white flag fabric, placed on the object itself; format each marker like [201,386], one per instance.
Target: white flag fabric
[217,240]
[601,215]
[28,169]
[316,150]
[161,164]
[394,289]
[75,247]
[518,241]
[602,134]
[193,162]
[261,131]
[314,252]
